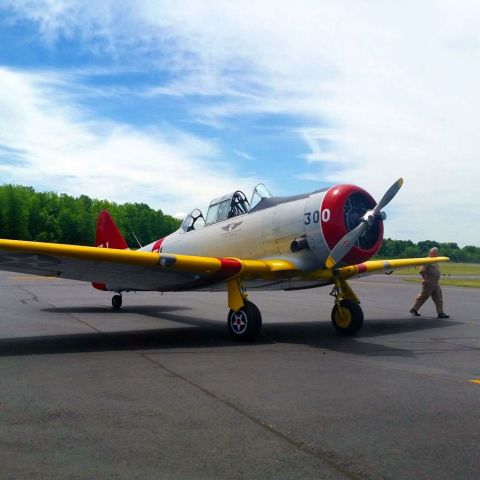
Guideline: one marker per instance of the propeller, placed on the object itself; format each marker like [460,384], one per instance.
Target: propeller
[345,244]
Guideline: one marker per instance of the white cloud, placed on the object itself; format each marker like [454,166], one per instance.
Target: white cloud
[392,87]
[62,149]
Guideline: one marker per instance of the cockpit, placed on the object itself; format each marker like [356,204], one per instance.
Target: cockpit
[222,208]
[228,206]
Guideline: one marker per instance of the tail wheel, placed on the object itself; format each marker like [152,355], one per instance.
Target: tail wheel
[117,302]
[245,324]
[347,318]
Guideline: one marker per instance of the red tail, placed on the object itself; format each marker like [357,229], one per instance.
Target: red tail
[108,235]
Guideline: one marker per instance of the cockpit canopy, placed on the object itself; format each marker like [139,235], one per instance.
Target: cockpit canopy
[228,206]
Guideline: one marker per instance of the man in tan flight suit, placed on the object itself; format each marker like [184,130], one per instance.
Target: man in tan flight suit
[430,287]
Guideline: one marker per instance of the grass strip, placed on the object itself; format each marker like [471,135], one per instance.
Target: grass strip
[474,283]
[448,268]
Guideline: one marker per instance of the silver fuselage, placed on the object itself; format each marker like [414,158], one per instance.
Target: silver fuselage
[265,233]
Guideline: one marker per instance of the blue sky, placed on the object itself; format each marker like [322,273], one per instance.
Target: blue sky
[173,103]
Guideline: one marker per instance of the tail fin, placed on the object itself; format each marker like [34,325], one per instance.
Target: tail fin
[107,234]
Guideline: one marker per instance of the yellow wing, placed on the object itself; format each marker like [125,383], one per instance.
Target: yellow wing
[131,270]
[141,270]
[375,266]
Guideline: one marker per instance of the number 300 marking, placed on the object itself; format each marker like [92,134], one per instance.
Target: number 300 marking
[315,217]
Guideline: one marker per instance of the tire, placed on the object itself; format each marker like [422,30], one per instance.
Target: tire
[352,319]
[245,324]
[117,302]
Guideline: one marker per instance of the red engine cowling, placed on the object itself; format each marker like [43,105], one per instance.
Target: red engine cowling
[330,214]
[347,204]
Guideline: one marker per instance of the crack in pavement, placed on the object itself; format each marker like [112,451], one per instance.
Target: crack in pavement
[323,456]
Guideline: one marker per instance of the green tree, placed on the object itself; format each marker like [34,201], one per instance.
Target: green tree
[46,216]
[14,213]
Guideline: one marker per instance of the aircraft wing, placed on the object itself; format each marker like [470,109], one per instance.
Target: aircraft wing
[376,266]
[131,270]
[141,270]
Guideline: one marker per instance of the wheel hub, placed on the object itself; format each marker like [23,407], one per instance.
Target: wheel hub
[239,322]
[343,317]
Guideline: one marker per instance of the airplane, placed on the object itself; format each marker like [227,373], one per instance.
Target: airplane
[268,243]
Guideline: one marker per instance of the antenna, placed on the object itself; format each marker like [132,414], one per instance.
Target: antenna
[137,240]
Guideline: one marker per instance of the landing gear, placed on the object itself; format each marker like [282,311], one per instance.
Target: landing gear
[117,301]
[245,324]
[347,315]
[244,319]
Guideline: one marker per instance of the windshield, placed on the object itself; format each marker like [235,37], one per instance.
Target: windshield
[193,221]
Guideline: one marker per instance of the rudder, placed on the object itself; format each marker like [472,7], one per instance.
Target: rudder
[107,233]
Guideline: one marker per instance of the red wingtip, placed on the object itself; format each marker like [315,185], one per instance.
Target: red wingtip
[107,233]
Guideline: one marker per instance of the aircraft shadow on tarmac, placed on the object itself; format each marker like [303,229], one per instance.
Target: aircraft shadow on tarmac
[154,310]
[209,333]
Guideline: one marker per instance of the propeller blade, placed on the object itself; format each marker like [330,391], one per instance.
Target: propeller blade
[350,238]
[345,244]
[389,194]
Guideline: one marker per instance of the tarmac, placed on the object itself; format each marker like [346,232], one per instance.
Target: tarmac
[158,390]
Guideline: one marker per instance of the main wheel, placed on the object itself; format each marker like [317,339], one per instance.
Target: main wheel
[347,320]
[245,324]
[117,302]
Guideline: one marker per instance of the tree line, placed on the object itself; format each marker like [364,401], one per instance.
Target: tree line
[406,248]
[50,217]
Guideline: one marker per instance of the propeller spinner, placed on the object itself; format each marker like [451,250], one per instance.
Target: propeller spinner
[345,244]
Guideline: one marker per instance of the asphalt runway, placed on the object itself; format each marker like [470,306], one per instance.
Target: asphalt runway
[159,391]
